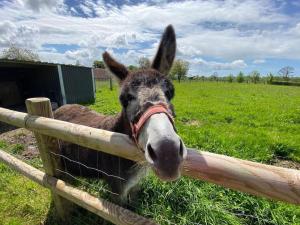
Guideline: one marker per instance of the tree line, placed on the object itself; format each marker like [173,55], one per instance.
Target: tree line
[179,69]
[285,74]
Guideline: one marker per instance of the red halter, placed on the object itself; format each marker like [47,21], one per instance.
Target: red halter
[137,127]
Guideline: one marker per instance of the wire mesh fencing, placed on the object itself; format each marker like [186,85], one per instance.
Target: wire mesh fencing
[98,188]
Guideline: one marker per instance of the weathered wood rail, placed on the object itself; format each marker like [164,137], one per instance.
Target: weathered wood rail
[258,179]
[63,195]
[255,178]
[101,207]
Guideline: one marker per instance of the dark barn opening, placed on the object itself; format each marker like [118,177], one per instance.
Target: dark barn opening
[62,84]
[18,83]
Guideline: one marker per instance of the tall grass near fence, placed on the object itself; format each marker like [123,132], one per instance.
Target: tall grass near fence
[249,121]
[231,119]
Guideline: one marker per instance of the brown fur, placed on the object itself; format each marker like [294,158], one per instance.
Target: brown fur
[107,163]
[139,90]
[115,67]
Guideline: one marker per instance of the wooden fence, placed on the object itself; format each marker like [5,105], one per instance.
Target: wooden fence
[258,179]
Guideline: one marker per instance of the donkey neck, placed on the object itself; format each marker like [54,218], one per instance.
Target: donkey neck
[122,124]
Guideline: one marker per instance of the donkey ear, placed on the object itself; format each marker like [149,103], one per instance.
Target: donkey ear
[166,51]
[118,69]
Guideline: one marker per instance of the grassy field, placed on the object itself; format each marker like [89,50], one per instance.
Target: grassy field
[255,122]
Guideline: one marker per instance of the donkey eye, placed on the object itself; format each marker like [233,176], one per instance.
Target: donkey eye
[168,95]
[130,97]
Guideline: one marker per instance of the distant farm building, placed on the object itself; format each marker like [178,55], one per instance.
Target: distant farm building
[62,84]
[101,74]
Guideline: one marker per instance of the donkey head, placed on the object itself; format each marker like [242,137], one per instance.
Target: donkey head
[146,100]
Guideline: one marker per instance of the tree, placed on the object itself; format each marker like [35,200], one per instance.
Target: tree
[255,76]
[98,64]
[144,63]
[240,77]
[214,76]
[247,78]
[286,72]
[179,69]
[230,78]
[18,53]
[270,78]
[132,68]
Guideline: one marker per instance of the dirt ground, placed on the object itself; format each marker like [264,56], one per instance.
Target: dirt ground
[287,164]
[23,137]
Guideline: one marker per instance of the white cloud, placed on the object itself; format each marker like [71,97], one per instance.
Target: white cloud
[22,35]
[231,43]
[82,53]
[73,10]
[87,10]
[221,30]
[40,5]
[258,61]
[37,5]
[212,65]
[55,57]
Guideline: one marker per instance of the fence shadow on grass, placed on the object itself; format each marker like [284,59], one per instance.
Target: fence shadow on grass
[79,216]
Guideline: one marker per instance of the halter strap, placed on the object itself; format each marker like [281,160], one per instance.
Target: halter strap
[137,127]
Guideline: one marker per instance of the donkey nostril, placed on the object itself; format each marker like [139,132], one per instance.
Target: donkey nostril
[181,149]
[151,153]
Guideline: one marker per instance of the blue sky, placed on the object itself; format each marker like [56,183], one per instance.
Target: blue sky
[214,36]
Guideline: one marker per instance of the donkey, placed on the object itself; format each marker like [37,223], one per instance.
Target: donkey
[146,116]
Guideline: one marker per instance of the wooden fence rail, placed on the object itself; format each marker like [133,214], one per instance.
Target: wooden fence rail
[101,207]
[250,177]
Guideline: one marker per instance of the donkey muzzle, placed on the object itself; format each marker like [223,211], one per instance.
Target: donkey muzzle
[155,135]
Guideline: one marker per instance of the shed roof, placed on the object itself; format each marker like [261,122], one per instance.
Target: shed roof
[21,63]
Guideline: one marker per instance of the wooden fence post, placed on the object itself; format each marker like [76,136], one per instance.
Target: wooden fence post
[46,145]
[110,83]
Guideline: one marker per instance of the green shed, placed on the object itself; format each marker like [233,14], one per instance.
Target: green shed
[62,84]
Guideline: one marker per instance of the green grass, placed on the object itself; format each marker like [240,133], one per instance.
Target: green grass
[253,122]
[248,121]
[21,201]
